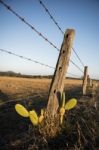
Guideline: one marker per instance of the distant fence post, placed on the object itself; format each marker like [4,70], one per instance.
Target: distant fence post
[85,80]
[89,81]
[57,84]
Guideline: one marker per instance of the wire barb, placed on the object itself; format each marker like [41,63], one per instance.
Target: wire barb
[34,29]
[32,60]
[28,24]
[52,18]
[26,58]
[47,11]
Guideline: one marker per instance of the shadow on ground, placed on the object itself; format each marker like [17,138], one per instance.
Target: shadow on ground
[79,130]
[3,97]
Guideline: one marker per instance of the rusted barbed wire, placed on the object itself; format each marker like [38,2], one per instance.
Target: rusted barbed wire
[34,29]
[56,23]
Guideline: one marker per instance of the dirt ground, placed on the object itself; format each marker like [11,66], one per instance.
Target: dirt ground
[80,130]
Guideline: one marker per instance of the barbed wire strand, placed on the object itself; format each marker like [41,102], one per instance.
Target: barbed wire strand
[52,18]
[29,59]
[73,75]
[46,9]
[76,66]
[32,27]
[32,60]
[40,34]
[78,57]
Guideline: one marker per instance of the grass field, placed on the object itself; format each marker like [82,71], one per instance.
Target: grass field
[12,88]
[80,130]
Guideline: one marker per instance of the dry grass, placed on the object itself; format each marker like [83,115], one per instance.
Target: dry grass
[22,88]
[80,130]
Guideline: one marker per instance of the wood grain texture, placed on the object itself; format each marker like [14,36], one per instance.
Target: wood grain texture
[57,84]
[85,80]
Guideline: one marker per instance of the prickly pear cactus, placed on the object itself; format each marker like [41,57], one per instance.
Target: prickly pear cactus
[66,106]
[35,119]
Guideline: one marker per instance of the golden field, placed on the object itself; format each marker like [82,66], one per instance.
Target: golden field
[17,88]
[79,131]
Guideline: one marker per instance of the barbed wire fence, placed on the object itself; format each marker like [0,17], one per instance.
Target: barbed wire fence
[86,77]
[56,23]
[41,35]
[34,61]
[83,70]
[46,39]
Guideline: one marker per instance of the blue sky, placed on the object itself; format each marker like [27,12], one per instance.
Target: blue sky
[15,36]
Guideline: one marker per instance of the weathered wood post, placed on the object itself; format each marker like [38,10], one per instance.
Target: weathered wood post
[57,83]
[85,80]
[89,81]
[93,90]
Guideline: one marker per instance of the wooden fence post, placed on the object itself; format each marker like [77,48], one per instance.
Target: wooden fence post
[85,80]
[89,81]
[57,83]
